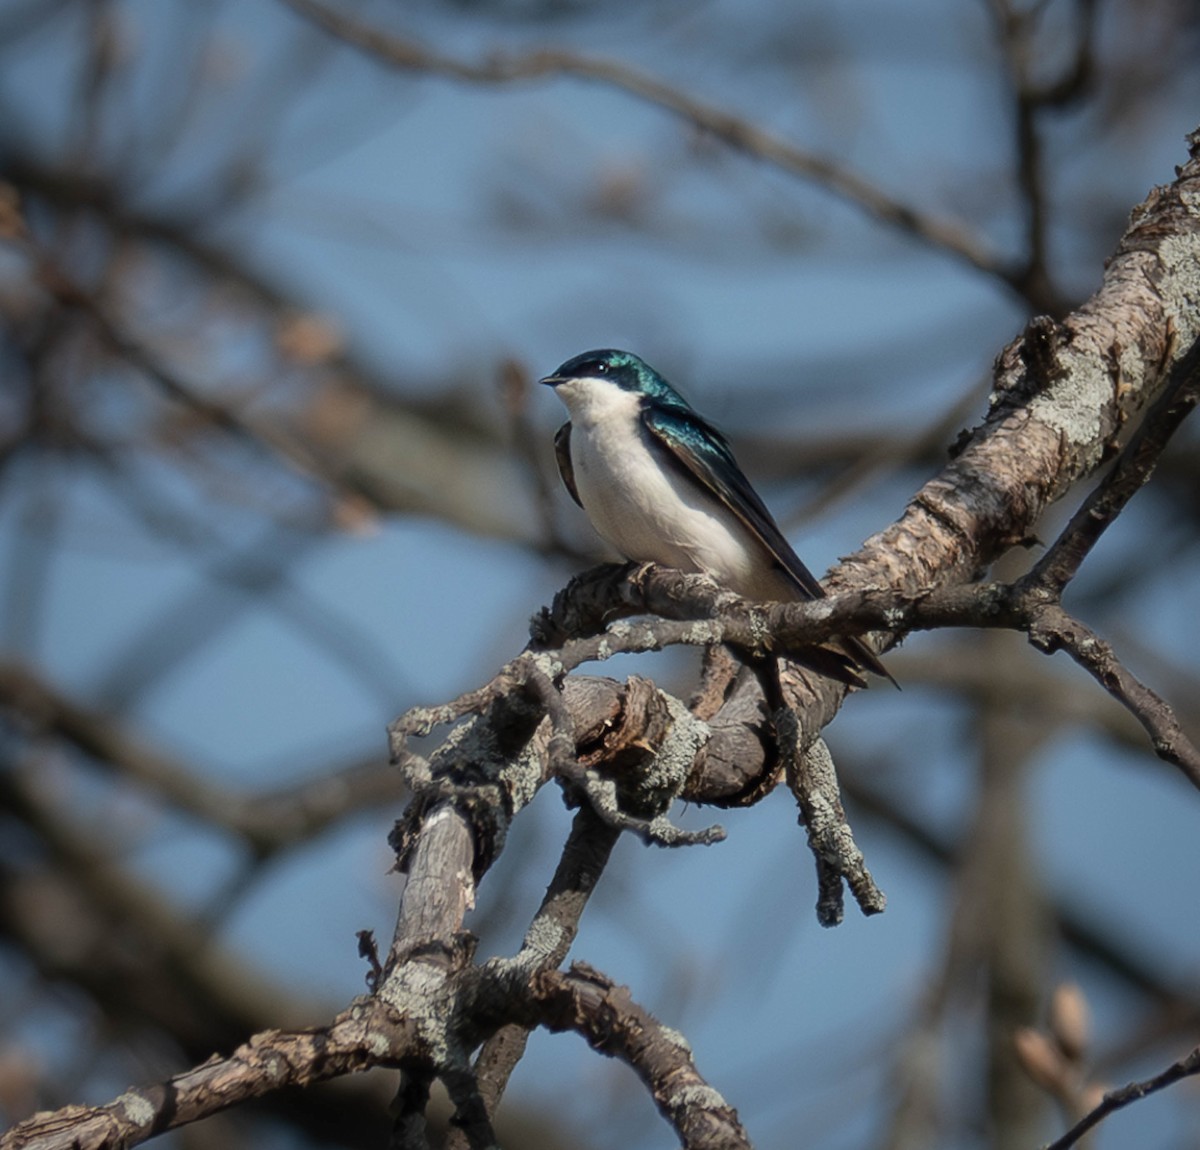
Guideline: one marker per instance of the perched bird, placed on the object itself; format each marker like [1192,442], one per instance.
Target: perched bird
[660,485]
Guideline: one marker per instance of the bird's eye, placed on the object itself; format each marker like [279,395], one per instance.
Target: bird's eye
[601,368]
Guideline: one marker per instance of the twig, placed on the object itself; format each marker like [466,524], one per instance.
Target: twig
[1118,1099]
[814,784]
[1050,628]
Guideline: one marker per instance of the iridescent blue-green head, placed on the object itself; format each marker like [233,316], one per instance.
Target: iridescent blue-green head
[605,368]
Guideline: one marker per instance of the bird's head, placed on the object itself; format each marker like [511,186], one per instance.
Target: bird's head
[607,371]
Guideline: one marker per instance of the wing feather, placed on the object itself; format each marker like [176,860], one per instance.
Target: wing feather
[562,453]
[696,445]
[693,444]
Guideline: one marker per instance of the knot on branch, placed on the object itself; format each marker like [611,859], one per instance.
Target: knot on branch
[1029,365]
[648,750]
[639,765]
[1040,344]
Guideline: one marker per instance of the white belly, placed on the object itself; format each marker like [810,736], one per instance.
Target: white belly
[648,512]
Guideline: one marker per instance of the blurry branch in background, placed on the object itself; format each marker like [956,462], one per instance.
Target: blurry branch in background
[224,417]
[352,428]
[1179,1004]
[1018,34]
[735,131]
[995,941]
[1055,1058]
[266,823]
[90,920]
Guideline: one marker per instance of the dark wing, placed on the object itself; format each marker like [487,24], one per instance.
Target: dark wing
[562,453]
[694,444]
[704,452]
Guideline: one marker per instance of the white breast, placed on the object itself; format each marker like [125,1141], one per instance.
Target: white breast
[646,509]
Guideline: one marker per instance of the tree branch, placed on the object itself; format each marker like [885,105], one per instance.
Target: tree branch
[1118,1099]
[270,1061]
[1129,474]
[547,942]
[702,613]
[586,1001]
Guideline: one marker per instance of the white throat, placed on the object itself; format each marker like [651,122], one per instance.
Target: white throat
[598,402]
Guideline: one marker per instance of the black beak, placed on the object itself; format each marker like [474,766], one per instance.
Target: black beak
[553,380]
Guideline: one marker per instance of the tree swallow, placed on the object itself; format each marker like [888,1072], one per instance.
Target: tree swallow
[660,484]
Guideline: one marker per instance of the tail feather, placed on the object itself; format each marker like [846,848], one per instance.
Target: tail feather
[843,660]
[866,659]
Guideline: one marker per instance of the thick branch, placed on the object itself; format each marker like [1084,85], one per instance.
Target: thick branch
[1060,396]
[1132,470]
[270,1061]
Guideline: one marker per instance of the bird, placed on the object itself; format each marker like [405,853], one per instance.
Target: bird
[660,485]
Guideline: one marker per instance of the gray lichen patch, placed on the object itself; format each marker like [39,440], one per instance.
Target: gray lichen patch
[1073,405]
[137,1109]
